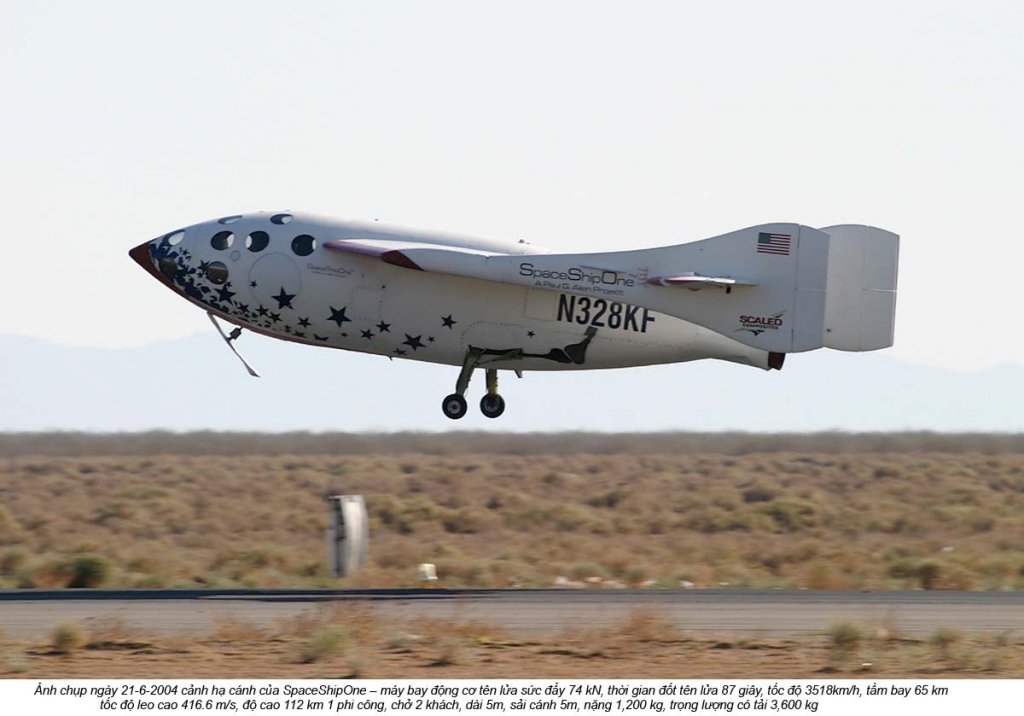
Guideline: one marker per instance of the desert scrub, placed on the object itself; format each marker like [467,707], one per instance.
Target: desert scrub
[11,561]
[845,639]
[67,638]
[329,641]
[10,530]
[88,571]
[944,639]
[225,510]
[446,651]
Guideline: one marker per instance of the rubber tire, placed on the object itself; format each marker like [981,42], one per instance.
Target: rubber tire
[454,406]
[492,405]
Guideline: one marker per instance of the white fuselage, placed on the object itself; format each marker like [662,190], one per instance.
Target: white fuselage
[263,272]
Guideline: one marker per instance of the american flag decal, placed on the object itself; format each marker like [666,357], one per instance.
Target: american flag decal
[773,243]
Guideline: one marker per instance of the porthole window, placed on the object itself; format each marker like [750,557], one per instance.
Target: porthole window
[222,240]
[257,241]
[281,218]
[303,245]
[229,219]
[174,238]
[217,272]
[168,267]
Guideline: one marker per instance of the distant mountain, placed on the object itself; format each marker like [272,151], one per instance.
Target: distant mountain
[195,383]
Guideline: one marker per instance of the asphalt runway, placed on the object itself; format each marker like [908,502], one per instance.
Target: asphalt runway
[32,614]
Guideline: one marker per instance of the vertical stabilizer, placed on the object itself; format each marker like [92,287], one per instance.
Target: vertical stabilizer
[860,303]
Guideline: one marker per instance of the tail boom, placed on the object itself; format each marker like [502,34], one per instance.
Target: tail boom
[782,288]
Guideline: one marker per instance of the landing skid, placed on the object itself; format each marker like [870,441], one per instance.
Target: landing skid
[228,339]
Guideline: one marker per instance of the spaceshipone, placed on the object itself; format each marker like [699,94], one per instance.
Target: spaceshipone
[749,296]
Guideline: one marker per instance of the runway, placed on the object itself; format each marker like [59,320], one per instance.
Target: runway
[31,614]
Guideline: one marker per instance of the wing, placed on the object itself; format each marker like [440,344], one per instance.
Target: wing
[473,263]
[411,255]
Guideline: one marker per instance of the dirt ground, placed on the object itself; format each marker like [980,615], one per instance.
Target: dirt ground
[644,646]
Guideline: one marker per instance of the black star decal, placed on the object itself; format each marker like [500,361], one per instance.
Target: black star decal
[399,352]
[413,342]
[275,317]
[304,322]
[284,300]
[300,334]
[430,339]
[261,310]
[203,265]
[448,321]
[337,316]
[384,327]
[243,307]
[252,284]
[531,334]
[368,334]
[287,329]
[224,294]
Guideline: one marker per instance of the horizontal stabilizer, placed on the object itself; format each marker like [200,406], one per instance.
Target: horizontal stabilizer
[695,283]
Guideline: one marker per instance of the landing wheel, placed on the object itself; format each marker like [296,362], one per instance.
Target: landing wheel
[492,405]
[454,406]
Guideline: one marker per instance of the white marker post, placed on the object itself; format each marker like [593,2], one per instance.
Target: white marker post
[348,536]
[427,574]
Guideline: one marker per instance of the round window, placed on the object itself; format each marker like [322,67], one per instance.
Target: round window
[168,267]
[303,245]
[222,240]
[281,218]
[257,241]
[229,219]
[217,272]
[174,238]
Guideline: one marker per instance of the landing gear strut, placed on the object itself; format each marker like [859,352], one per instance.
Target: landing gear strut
[492,405]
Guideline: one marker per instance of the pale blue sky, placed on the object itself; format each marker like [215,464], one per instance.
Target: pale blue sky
[575,125]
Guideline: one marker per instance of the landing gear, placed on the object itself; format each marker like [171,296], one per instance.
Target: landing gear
[454,406]
[491,405]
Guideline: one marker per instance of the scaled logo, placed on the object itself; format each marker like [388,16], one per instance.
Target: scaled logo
[759,324]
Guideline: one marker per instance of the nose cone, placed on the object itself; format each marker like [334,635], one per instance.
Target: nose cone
[143,256]
[140,255]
